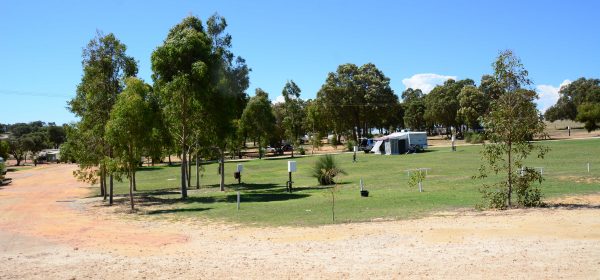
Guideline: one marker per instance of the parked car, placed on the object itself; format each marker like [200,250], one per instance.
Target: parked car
[287,147]
[366,144]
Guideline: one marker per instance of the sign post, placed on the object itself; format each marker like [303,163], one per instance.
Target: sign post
[291,168]
[239,173]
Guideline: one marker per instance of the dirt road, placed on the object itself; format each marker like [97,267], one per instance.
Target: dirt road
[47,233]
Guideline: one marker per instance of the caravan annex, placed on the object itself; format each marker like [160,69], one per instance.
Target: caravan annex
[399,143]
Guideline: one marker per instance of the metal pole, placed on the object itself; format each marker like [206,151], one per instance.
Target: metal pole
[290,182]
[238,200]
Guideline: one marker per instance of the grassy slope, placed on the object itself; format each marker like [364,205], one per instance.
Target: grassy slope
[449,185]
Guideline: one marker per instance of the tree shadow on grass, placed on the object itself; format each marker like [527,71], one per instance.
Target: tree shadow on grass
[150,168]
[166,191]
[254,187]
[177,210]
[151,200]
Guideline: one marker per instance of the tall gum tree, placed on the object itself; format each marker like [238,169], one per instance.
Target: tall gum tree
[181,67]
[127,129]
[105,67]
[229,80]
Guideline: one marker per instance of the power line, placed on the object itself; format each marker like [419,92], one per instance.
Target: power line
[32,93]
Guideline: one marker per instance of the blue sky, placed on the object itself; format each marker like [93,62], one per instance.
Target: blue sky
[415,43]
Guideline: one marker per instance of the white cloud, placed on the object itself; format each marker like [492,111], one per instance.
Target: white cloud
[278,99]
[281,99]
[548,95]
[426,81]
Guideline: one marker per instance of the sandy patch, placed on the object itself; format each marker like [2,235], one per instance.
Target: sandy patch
[48,232]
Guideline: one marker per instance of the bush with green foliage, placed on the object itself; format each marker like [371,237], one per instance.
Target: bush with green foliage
[474,137]
[416,178]
[494,196]
[334,142]
[301,150]
[325,169]
[350,145]
[528,195]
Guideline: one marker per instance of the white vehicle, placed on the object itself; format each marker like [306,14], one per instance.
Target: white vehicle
[399,143]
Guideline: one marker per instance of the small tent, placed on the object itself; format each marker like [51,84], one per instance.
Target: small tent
[399,143]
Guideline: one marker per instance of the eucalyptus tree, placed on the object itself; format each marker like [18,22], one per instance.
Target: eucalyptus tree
[181,72]
[229,84]
[414,108]
[294,112]
[258,119]
[105,67]
[510,126]
[316,122]
[356,98]
[380,102]
[442,103]
[572,96]
[473,105]
[589,114]
[127,129]
[340,99]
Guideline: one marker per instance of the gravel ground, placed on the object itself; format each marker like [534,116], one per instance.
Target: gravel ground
[49,231]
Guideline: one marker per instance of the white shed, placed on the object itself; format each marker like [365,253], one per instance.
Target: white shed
[400,143]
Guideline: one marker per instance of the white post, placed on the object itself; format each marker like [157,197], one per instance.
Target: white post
[238,200]
[420,187]
[588,165]
[361,184]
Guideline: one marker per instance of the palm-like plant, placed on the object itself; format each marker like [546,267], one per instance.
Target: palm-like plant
[326,169]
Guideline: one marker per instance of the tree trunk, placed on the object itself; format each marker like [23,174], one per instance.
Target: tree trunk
[222,183]
[170,159]
[259,149]
[509,174]
[110,194]
[189,170]
[131,176]
[197,171]
[102,186]
[134,183]
[183,175]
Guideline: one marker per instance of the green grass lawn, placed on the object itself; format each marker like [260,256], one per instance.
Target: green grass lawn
[265,201]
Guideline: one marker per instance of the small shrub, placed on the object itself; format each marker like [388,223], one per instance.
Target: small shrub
[325,169]
[527,194]
[350,145]
[474,137]
[494,196]
[335,142]
[301,150]
[415,178]
[468,136]
[477,138]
